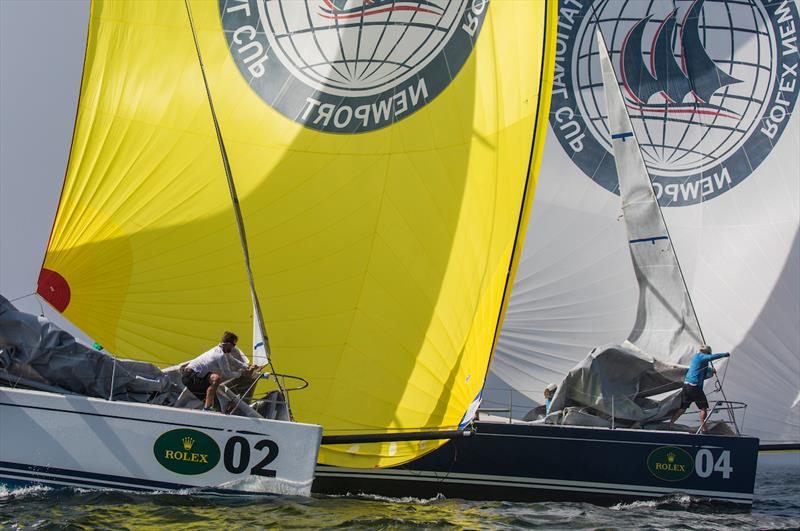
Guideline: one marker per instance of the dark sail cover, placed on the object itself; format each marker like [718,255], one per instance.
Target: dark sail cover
[36,347]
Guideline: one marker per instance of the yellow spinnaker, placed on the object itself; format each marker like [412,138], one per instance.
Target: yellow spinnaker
[381,237]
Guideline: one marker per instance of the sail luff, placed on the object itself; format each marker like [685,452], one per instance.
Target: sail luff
[537,148]
[666,323]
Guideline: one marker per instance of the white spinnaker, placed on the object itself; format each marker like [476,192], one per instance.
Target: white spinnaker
[666,326]
[740,254]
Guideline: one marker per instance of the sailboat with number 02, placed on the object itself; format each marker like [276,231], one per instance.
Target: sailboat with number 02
[384,158]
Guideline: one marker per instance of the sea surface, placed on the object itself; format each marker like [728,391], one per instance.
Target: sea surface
[777,506]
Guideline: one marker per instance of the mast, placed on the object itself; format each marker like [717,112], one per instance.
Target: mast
[258,316]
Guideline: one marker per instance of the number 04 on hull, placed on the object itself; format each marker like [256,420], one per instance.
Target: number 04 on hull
[121,445]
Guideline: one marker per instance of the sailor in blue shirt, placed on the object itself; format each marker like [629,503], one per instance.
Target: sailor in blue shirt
[693,384]
[549,393]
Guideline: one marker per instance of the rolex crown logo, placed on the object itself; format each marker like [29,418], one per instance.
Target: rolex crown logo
[670,457]
[188,442]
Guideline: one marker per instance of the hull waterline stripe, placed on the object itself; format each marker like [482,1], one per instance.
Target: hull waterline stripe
[112,481]
[35,469]
[552,486]
[41,478]
[531,483]
[149,421]
[512,479]
[611,441]
[65,482]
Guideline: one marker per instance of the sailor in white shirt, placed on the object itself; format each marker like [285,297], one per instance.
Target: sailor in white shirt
[203,374]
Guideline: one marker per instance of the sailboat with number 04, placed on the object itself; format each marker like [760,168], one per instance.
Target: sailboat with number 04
[605,438]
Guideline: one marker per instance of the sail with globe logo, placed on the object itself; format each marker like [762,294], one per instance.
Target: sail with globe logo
[711,88]
[348,66]
[385,156]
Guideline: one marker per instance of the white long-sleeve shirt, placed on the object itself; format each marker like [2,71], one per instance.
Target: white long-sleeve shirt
[215,360]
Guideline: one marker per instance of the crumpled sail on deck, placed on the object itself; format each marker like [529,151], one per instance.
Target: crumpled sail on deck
[33,348]
[385,160]
[666,324]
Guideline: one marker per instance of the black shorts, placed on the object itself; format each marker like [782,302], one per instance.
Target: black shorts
[693,393]
[195,383]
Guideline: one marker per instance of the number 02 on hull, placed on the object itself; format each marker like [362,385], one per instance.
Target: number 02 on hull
[104,444]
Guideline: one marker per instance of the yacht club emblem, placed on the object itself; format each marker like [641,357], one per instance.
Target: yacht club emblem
[684,88]
[709,85]
[350,66]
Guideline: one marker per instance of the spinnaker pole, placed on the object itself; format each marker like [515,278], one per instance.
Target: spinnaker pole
[396,437]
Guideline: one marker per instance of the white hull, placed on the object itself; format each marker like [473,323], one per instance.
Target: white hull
[69,440]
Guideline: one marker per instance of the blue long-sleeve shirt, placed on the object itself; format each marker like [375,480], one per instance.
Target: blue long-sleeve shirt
[699,369]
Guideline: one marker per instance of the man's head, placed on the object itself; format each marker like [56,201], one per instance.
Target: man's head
[228,341]
[550,390]
[705,349]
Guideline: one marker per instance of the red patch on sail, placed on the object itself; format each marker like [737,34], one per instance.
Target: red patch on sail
[54,288]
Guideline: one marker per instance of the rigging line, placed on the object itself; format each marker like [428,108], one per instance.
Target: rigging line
[22,297]
[678,263]
[236,209]
[725,371]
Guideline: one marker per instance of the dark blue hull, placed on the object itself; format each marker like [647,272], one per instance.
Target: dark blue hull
[553,463]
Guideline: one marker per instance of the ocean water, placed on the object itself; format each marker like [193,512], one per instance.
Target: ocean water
[777,506]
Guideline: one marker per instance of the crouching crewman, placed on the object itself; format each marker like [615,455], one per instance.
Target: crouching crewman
[203,374]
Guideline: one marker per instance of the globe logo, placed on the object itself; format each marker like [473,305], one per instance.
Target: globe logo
[350,66]
[709,86]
